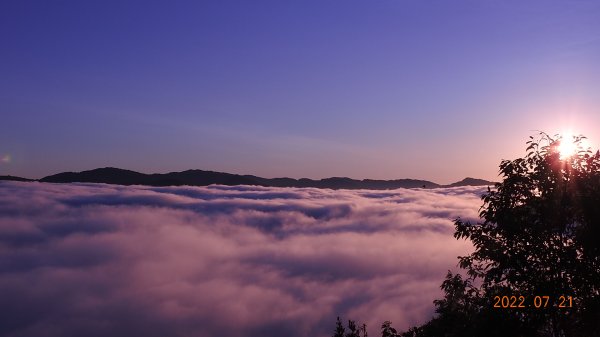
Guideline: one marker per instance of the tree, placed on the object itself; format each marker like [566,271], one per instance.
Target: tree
[387,330]
[339,329]
[539,236]
[353,329]
[363,328]
[538,242]
[465,312]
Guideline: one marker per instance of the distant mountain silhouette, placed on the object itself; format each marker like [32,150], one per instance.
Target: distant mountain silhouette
[13,178]
[107,175]
[111,175]
[470,182]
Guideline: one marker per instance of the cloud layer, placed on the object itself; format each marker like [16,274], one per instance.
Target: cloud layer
[103,260]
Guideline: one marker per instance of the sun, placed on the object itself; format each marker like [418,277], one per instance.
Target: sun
[567,147]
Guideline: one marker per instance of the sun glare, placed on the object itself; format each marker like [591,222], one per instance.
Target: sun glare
[567,147]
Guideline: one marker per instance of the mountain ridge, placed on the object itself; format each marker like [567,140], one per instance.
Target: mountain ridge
[13,178]
[195,177]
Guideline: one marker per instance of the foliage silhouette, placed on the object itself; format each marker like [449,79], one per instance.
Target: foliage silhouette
[539,238]
[340,331]
[387,330]
[354,330]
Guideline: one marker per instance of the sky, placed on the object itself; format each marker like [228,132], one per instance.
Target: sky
[107,260]
[435,90]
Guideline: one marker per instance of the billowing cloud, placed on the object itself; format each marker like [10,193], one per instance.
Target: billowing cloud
[103,260]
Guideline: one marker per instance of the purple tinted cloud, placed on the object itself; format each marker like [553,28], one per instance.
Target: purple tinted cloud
[102,260]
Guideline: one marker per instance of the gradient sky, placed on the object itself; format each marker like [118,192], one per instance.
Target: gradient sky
[438,90]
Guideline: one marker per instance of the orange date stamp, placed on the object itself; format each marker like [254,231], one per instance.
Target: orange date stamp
[538,302]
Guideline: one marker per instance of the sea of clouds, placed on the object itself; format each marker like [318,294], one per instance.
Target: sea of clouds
[106,260]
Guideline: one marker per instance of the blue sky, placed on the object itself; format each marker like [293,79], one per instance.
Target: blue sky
[436,90]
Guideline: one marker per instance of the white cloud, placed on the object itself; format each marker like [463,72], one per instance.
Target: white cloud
[100,260]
